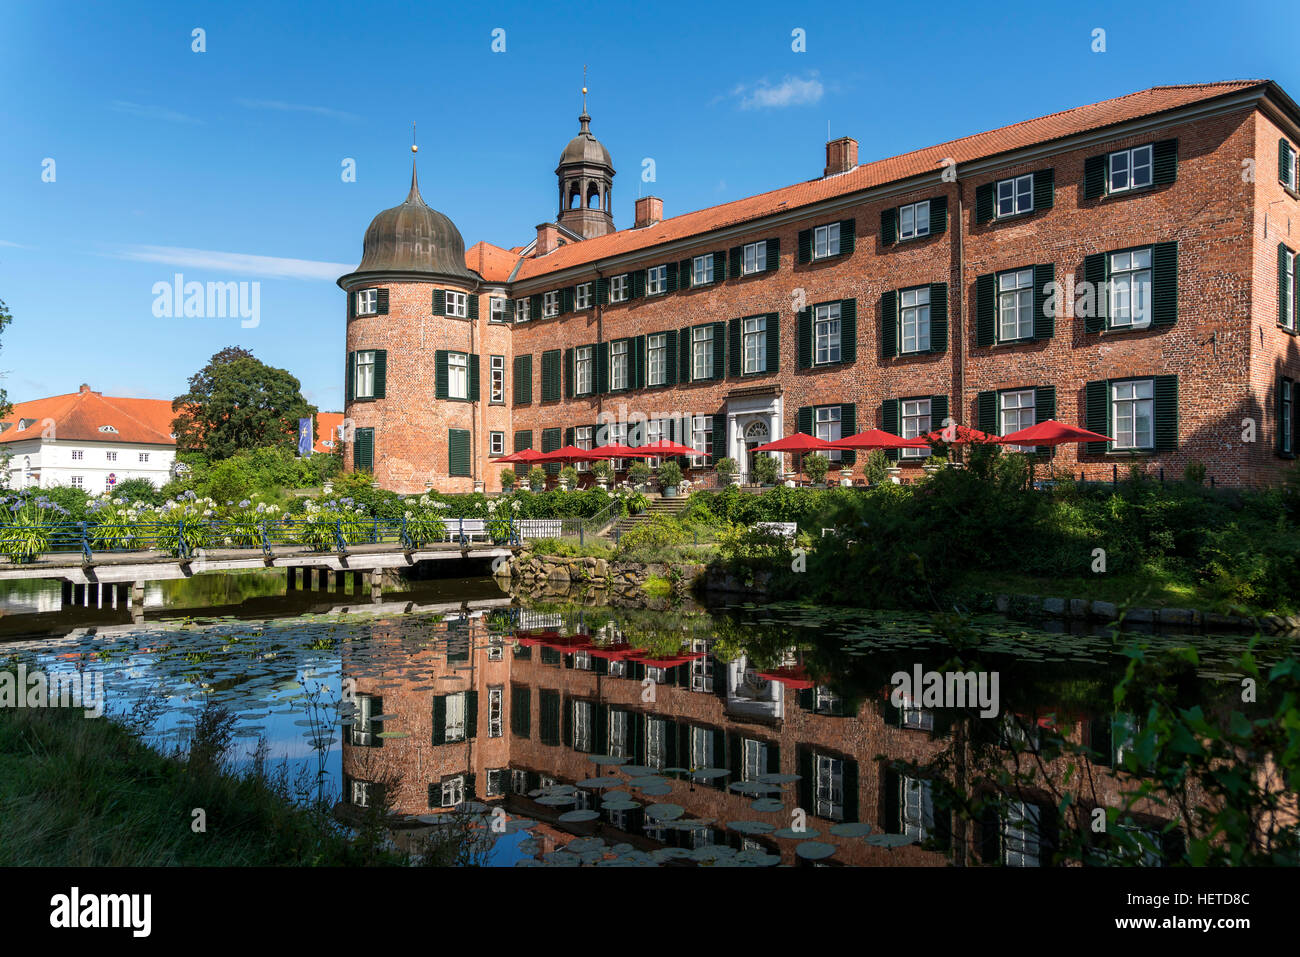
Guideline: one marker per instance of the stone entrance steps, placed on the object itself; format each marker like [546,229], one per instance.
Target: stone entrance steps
[658,506]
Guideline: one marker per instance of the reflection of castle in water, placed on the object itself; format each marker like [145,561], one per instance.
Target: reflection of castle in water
[498,704]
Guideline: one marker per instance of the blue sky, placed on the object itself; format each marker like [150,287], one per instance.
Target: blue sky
[226,165]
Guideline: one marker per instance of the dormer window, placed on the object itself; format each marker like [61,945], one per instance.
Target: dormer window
[108,428]
[368,302]
[26,423]
[457,304]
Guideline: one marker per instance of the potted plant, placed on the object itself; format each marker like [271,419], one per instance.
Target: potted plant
[508,479]
[816,466]
[726,469]
[568,477]
[639,475]
[765,470]
[876,469]
[933,464]
[537,478]
[603,473]
[670,476]
[846,475]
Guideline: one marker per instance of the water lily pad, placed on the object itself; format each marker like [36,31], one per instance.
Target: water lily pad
[814,850]
[664,812]
[789,834]
[751,827]
[767,806]
[578,816]
[851,829]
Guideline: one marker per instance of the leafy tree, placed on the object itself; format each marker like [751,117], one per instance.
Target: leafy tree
[6,317]
[236,402]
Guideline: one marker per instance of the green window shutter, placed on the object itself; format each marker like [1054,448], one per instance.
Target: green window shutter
[1166,412]
[523,380]
[636,284]
[1044,409]
[719,349]
[566,300]
[602,368]
[352,304]
[1283,161]
[1094,176]
[568,435]
[1044,189]
[719,438]
[551,375]
[1281,286]
[602,292]
[670,277]
[523,440]
[986,308]
[472,304]
[520,711]
[805,246]
[938,215]
[773,329]
[473,377]
[888,226]
[848,331]
[849,781]
[938,316]
[848,236]
[349,374]
[439,721]
[670,357]
[685,369]
[986,411]
[983,203]
[889,423]
[471,732]
[733,269]
[458,452]
[806,419]
[805,336]
[440,374]
[439,302]
[848,426]
[719,266]
[1094,273]
[938,411]
[1044,323]
[551,442]
[773,255]
[734,350]
[363,450]
[535,306]
[686,274]
[889,324]
[382,302]
[1097,413]
[1164,284]
[568,373]
[507,310]
[636,353]
[1164,155]
[381,373]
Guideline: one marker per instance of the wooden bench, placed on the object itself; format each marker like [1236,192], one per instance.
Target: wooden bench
[783,529]
[540,528]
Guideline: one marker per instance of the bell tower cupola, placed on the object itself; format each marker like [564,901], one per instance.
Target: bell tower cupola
[586,181]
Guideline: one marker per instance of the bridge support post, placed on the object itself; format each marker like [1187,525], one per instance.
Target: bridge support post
[376,584]
[137,594]
[66,592]
[290,579]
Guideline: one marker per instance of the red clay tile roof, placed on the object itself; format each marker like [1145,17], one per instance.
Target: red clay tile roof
[965,150]
[493,263]
[327,424]
[79,415]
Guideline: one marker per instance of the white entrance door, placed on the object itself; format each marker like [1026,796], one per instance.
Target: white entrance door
[756,433]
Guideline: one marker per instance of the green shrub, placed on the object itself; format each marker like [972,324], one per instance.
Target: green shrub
[816,466]
[670,474]
[508,478]
[764,469]
[569,476]
[875,469]
[652,540]
[537,477]
[726,468]
[639,473]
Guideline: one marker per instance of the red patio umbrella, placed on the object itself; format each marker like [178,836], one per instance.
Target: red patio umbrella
[1051,432]
[665,447]
[523,455]
[878,439]
[965,435]
[799,442]
[571,453]
[616,451]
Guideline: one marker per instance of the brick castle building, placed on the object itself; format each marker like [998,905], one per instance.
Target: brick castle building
[1127,266]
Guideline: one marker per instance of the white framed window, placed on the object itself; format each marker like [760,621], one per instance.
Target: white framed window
[496,309]
[917,805]
[78,481]
[914,319]
[457,304]
[702,352]
[367,302]
[656,280]
[497,378]
[827,428]
[829,796]
[656,351]
[454,726]
[523,308]
[618,378]
[915,718]
[361,793]
[618,436]
[1017,411]
[1015,195]
[617,733]
[583,365]
[753,759]
[144,456]
[110,456]
[656,736]
[914,416]
[753,258]
[754,333]
[1285,414]
[701,747]
[496,782]
[1020,835]
[583,712]
[496,707]
[826,701]
[914,220]
[826,333]
[551,304]
[1130,289]
[618,288]
[582,296]
[654,431]
[701,670]
[702,440]
[1287,292]
[364,386]
[1016,305]
[496,443]
[1293,176]
[1130,169]
[457,375]
[78,455]
[1133,414]
[702,270]
[826,241]
[583,438]
[453,791]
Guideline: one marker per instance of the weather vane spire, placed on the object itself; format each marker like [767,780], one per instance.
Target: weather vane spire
[584,88]
[414,148]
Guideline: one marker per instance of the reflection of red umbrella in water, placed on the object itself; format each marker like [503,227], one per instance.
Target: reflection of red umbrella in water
[792,676]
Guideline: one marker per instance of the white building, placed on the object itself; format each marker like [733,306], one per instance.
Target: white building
[88,440]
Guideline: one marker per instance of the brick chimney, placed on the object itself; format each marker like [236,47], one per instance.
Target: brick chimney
[649,210]
[841,155]
[548,239]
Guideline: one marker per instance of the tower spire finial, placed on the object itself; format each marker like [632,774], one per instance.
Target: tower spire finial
[584,89]
[414,195]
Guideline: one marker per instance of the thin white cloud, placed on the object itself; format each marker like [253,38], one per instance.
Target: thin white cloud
[284,107]
[148,112]
[791,91]
[273,267]
[5,242]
